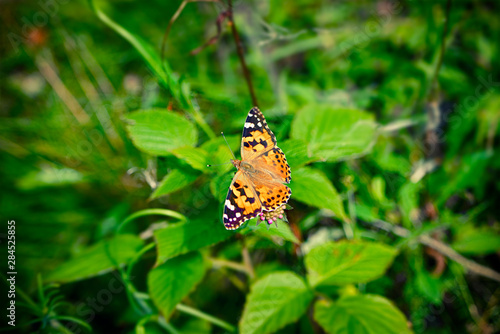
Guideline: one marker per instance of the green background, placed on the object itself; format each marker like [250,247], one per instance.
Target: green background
[387,111]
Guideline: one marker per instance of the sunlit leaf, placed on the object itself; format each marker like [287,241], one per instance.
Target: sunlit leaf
[283,230]
[312,187]
[275,301]
[181,238]
[97,259]
[175,180]
[158,131]
[170,282]
[196,157]
[477,242]
[334,133]
[347,262]
[369,314]
[296,153]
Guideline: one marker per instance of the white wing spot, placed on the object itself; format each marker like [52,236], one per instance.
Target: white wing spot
[229,206]
[249,125]
[259,124]
[238,215]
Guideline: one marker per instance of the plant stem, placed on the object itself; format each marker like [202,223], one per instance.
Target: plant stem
[148,212]
[443,249]
[241,55]
[246,259]
[230,264]
[199,314]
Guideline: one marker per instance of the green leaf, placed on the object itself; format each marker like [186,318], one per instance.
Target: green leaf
[275,301]
[428,286]
[219,154]
[477,242]
[158,131]
[312,187]
[347,262]
[408,202]
[173,181]
[219,186]
[181,238]
[97,259]
[283,231]
[368,314]
[170,282]
[334,133]
[196,157]
[470,174]
[296,153]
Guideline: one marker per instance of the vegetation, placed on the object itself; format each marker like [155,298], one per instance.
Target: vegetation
[387,111]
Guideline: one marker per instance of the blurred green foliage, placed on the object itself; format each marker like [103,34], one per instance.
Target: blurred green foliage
[387,111]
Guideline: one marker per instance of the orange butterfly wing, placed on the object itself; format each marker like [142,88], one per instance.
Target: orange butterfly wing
[259,186]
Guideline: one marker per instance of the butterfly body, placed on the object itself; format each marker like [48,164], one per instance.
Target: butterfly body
[258,184]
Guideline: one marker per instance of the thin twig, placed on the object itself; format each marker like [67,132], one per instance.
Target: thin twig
[207,317]
[241,55]
[247,260]
[453,255]
[171,22]
[222,16]
[443,249]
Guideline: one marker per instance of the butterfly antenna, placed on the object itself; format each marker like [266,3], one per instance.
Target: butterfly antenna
[222,133]
[225,163]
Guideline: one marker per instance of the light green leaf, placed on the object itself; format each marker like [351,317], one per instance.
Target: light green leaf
[470,174]
[181,238]
[173,181]
[334,133]
[219,186]
[296,153]
[367,314]
[347,262]
[158,131]
[275,301]
[477,242]
[408,197]
[170,282]
[97,259]
[428,286]
[283,230]
[312,187]
[196,157]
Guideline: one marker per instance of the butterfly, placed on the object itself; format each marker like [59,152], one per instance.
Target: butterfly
[258,185]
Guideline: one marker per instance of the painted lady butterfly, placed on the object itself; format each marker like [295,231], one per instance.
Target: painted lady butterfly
[258,185]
